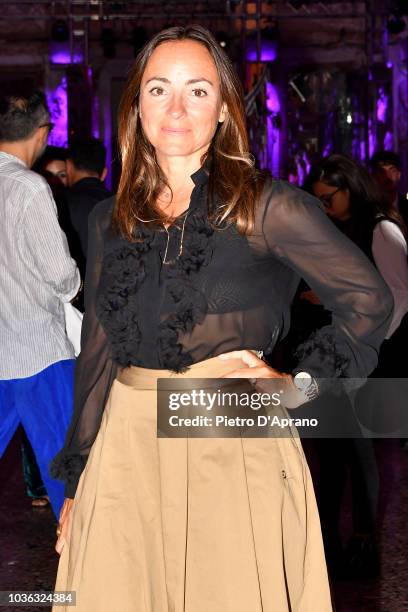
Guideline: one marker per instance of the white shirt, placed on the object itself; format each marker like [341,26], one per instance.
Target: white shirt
[37,274]
[390,255]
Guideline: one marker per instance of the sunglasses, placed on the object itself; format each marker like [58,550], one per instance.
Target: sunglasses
[326,199]
[50,126]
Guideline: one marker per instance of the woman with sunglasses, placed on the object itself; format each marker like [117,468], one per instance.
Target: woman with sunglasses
[349,196]
[353,202]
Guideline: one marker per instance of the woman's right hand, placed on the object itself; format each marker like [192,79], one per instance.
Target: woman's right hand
[62,529]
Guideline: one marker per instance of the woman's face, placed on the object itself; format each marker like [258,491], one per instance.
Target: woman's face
[58,168]
[180,99]
[336,201]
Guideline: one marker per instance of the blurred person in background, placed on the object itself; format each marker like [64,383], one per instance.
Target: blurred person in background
[386,169]
[86,172]
[51,165]
[53,161]
[37,276]
[356,206]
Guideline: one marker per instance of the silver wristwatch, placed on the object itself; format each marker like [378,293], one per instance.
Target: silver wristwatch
[306,384]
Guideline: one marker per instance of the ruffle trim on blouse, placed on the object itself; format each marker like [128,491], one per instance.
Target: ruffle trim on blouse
[123,273]
[324,347]
[124,270]
[67,467]
[190,303]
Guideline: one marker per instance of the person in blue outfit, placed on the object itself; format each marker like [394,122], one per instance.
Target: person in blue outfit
[37,276]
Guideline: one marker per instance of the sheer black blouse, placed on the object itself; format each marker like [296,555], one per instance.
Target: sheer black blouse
[158,304]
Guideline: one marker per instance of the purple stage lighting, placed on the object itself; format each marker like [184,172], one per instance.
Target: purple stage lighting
[272,128]
[268,51]
[272,98]
[64,57]
[57,100]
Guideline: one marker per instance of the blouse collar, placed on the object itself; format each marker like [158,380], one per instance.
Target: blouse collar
[200,177]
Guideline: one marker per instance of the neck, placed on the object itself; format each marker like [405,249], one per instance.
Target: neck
[22,150]
[178,171]
[81,174]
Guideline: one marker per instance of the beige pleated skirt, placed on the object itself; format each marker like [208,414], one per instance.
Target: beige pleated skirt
[191,524]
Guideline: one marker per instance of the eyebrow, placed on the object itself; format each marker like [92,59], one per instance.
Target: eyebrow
[189,82]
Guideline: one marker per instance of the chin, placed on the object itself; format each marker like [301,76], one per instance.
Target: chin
[175,151]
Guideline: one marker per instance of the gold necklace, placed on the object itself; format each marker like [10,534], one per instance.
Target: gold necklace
[171,261]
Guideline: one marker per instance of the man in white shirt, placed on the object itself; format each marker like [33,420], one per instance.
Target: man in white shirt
[37,275]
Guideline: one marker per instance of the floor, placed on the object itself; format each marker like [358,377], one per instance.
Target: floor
[28,560]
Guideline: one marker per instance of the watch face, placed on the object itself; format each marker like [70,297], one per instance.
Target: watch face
[306,384]
[302,380]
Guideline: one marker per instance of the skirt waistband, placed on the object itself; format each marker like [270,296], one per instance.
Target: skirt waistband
[146,378]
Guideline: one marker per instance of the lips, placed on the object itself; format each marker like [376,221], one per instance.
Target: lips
[170,130]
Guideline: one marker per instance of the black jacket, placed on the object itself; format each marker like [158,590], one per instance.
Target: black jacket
[81,199]
[78,202]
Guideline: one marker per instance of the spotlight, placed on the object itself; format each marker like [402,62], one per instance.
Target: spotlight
[223,40]
[396,24]
[269,46]
[108,40]
[139,38]
[59,31]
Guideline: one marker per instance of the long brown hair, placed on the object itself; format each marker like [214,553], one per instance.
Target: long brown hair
[233,178]
[392,214]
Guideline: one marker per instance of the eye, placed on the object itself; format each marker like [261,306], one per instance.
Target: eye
[156,91]
[199,93]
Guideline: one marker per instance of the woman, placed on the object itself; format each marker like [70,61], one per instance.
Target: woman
[352,200]
[198,258]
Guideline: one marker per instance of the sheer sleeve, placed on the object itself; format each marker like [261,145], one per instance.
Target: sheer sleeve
[95,370]
[296,230]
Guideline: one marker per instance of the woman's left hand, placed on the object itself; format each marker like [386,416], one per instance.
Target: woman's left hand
[258,370]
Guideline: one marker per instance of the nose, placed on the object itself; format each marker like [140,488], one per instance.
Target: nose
[176,107]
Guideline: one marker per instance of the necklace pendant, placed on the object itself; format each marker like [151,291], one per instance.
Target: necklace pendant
[165,261]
